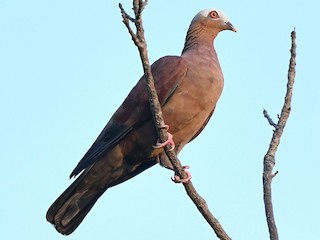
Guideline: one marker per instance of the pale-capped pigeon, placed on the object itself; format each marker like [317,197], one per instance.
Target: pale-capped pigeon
[188,87]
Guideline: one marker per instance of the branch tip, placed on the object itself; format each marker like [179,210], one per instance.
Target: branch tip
[275,174]
[270,121]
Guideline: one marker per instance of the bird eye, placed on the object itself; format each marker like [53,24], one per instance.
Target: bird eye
[213,14]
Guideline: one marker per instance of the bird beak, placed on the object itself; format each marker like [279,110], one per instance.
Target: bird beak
[231,27]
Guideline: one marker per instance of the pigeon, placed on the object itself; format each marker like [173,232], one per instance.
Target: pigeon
[188,87]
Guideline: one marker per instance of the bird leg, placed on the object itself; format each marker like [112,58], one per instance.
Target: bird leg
[168,142]
[177,179]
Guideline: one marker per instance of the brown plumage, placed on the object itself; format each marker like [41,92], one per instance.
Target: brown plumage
[188,86]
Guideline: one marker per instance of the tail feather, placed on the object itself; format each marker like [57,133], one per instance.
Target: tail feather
[69,210]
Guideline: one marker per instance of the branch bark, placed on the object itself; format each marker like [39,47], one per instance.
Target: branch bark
[269,158]
[139,40]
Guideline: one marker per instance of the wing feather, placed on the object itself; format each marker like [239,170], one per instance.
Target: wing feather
[135,109]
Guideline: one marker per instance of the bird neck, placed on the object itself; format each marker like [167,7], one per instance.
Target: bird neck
[199,38]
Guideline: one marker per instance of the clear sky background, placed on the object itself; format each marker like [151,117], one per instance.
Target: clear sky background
[66,66]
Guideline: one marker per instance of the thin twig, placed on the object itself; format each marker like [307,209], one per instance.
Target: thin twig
[139,40]
[271,122]
[269,158]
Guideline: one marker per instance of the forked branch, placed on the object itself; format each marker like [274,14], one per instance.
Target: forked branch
[269,158]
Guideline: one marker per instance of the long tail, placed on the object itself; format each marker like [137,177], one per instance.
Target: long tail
[68,211]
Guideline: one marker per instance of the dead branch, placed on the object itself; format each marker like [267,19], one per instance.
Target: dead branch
[139,40]
[269,158]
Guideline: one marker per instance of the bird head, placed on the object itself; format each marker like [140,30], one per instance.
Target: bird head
[213,19]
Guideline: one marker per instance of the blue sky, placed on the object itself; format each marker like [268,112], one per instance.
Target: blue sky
[66,66]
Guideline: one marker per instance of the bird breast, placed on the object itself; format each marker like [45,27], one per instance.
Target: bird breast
[194,99]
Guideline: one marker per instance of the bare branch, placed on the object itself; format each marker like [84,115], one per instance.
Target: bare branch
[139,40]
[271,122]
[269,158]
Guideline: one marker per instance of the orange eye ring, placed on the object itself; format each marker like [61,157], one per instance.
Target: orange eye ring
[214,14]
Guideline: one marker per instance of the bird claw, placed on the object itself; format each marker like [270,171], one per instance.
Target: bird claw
[168,142]
[177,179]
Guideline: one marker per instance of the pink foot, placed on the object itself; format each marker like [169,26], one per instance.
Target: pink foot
[168,142]
[177,179]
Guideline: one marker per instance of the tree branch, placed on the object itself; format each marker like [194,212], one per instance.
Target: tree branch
[269,158]
[139,41]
